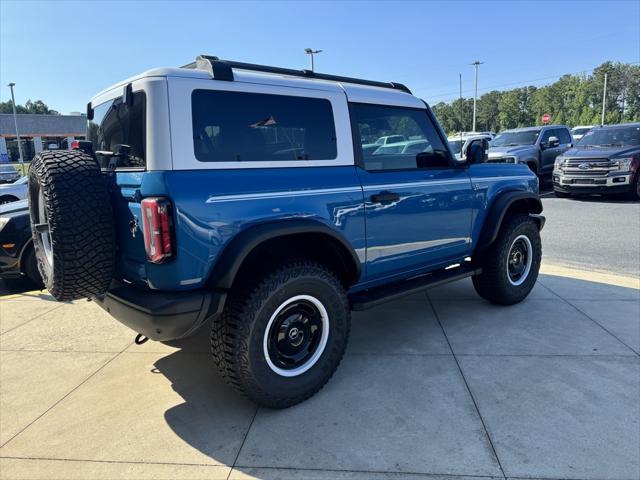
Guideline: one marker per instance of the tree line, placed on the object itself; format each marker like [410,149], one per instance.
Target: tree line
[572,100]
[37,107]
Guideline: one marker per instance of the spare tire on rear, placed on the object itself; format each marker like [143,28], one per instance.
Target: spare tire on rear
[72,224]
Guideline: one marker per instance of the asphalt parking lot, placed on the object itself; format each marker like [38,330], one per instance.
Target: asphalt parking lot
[592,232]
[433,386]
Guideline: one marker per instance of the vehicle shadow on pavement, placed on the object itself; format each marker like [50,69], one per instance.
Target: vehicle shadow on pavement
[507,375]
[22,287]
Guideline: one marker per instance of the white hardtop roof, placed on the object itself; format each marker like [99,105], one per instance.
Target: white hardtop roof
[354,92]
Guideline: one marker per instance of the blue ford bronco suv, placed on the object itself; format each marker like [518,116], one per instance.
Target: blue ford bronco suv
[239,197]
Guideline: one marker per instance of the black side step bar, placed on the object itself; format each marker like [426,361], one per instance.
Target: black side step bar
[376,296]
[223,70]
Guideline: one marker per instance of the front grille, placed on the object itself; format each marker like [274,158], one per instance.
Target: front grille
[595,167]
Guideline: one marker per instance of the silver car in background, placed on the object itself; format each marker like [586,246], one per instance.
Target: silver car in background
[12,192]
[8,174]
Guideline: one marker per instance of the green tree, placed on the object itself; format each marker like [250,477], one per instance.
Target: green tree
[571,100]
[36,107]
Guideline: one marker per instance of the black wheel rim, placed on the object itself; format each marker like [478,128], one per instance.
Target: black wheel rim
[294,335]
[519,260]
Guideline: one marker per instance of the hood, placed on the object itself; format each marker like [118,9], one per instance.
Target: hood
[504,151]
[608,152]
[10,209]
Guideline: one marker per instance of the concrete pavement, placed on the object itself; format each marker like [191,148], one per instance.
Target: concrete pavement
[432,386]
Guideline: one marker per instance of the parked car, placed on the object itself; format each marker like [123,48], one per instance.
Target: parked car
[384,141]
[536,147]
[579,131]
[8,174]
[459,144]
[214,228]
[17,258]
[15,191]
[472,134]
[606,160]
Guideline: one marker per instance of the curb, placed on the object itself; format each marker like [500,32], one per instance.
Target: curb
[590,275]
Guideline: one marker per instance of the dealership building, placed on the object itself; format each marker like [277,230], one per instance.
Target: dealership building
[37,133]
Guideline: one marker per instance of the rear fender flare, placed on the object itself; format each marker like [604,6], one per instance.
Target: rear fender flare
[234,254]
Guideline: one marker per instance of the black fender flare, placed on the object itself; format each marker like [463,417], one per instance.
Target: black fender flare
[530,203]
[233,255]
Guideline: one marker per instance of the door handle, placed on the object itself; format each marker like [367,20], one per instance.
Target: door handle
[385,197]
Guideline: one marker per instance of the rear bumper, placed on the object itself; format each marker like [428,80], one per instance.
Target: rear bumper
[161,315]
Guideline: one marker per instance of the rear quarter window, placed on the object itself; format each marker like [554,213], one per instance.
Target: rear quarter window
[254,127]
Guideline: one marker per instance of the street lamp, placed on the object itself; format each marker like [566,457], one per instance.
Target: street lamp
[311,52]
[15,121]
[475,93]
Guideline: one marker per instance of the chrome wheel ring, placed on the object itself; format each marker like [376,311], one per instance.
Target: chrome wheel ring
[296,335]
[44,231]
[519,260]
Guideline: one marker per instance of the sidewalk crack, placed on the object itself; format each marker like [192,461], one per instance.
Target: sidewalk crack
[464,379]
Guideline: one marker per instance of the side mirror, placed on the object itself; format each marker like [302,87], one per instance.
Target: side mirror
[477,151]
[553,142]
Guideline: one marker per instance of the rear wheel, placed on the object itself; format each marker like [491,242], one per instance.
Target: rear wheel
[72,224]
[280,343]
[511,264]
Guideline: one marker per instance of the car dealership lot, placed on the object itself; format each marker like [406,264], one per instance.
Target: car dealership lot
[437,384]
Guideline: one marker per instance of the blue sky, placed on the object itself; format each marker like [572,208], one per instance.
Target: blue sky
[64,52]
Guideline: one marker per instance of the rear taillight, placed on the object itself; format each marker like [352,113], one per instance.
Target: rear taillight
[157,225]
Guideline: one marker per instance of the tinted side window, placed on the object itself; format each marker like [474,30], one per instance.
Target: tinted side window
[416,143]
[254,127]
[564,135]
[546,134]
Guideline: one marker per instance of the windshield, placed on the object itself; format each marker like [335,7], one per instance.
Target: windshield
[611,137]
[511,139]
[116,124]
[580,131]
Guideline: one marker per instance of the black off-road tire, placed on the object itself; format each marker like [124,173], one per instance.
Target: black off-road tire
[30,269]
[71,192]
[237,335]
[494,284]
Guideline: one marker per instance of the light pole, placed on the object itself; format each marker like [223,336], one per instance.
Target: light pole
[15,121]
[604,98]
[311,53]
[476,64]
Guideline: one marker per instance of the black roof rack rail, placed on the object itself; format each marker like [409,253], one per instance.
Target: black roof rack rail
[223,70]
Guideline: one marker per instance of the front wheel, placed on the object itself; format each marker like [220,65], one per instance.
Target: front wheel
[279,341]
[511,264]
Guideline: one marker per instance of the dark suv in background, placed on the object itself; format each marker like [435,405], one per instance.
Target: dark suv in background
[605,160]
[536,147]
